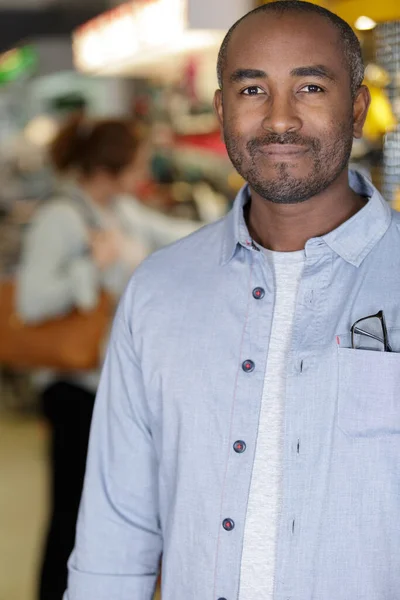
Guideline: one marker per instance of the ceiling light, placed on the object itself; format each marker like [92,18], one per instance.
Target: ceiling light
[365,24]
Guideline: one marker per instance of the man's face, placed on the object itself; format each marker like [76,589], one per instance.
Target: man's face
[286,110]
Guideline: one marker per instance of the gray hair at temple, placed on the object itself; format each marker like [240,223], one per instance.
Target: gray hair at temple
[351,45]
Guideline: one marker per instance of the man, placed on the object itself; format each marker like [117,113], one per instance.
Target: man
[244,428]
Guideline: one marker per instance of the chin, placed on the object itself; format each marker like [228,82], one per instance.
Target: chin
[292,179]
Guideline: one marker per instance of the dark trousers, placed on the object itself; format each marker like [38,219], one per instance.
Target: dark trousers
[68,409]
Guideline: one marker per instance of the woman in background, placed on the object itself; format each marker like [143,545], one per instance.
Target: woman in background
[78,244]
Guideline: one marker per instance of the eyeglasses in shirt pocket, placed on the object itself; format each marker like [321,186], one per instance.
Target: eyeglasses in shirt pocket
[368,392]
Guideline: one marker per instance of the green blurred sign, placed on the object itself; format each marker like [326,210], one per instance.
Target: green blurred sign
[17,62]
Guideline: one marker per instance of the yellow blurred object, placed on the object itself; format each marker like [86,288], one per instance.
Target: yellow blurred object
[351,10]
[388,10]
[396,200]
[380,119]
[235,181]
[158,594]
[376,76]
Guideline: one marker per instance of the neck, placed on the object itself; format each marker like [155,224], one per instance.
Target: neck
[96,192]
[287,227]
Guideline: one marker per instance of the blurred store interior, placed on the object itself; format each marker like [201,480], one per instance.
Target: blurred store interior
[152,62]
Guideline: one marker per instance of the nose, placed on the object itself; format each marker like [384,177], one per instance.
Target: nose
[281,116]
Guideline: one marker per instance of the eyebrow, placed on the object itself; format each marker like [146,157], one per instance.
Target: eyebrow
[245,74]
[319,71]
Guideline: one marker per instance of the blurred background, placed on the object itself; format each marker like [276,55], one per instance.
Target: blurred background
[149,64]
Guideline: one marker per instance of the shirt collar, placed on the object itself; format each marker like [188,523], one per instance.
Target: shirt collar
[353,240]
[236,231]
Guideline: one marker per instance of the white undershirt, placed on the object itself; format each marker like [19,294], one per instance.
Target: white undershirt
[264,505]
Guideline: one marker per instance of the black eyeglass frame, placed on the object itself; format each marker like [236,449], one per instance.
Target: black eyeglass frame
[356,329]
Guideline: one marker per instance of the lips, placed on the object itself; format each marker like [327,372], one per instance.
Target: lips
[283,150]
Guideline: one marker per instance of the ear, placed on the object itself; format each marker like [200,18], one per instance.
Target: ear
[360,110]
[219,110]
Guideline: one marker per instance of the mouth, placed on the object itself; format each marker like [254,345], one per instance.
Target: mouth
[283,151]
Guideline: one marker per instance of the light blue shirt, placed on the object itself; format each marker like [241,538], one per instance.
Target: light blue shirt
[183,383]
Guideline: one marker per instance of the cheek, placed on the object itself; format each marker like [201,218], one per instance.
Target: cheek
[342,127]
[340,120]
[238,131]
[239,117]
[329,127]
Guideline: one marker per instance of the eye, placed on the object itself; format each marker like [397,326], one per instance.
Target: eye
[312,89]
[253,90]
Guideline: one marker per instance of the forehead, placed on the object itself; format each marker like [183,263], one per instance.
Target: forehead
[273,43]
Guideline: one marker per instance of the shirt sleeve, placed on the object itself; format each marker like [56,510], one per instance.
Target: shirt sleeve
[118,542]
[156,229]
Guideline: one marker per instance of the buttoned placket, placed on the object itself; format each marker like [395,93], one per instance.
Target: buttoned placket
[243,431]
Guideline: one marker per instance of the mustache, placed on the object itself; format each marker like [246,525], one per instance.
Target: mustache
[289,138]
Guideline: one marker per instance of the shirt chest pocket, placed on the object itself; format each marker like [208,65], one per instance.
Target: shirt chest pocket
[368,393]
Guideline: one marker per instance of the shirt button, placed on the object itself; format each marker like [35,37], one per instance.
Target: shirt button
[228,524]
[239,446]
[248,366]
[258,293]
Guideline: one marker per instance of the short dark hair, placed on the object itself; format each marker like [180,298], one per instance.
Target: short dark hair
[351,45]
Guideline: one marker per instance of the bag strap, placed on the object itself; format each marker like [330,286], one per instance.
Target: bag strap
[73,196]
[89,215]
